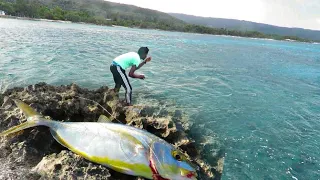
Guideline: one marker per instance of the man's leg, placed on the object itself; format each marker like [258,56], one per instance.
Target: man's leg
[117,78]
[126,84]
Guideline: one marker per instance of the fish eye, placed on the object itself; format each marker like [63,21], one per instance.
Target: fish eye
[178,157]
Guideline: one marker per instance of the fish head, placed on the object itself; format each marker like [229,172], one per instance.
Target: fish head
[170,163]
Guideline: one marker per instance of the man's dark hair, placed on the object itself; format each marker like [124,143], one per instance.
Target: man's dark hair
[143,50]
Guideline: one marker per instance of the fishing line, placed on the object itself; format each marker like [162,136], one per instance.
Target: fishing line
[101,107]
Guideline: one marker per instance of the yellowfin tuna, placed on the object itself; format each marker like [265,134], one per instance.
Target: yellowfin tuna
[123,148]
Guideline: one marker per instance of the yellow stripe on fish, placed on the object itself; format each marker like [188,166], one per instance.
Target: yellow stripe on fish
[123,148]
[116,165]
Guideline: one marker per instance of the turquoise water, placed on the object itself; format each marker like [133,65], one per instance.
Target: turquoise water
[260,98]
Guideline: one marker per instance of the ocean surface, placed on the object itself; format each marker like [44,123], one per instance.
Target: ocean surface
[260,99]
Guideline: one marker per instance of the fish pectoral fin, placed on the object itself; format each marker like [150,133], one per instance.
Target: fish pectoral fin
[104,119]
[131,150]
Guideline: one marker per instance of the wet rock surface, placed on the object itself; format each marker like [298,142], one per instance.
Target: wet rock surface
[34,154]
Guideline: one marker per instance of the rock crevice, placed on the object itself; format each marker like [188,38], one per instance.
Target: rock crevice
[34,154]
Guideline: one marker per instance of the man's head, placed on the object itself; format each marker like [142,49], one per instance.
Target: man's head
[143,52]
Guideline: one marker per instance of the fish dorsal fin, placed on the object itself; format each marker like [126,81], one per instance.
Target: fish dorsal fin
[104,119]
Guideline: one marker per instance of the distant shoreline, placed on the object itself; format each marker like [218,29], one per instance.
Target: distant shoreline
[51,20]
[37,19]
[63,21]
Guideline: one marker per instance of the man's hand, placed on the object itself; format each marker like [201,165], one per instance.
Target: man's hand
[148,59]
[133,75]
[142,76]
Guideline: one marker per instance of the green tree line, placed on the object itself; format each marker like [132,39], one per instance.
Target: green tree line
[35,9]
[22,8]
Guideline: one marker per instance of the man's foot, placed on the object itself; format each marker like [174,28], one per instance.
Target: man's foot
[114,92]
[124,103]
[128,105]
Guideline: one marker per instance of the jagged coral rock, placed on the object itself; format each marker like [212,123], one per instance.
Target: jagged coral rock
[35,149]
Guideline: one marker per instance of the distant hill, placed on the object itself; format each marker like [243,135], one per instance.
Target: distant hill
[94,8]
[112,10]
[248,26]
[108,13]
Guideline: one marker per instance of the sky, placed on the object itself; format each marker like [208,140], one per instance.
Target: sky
[287,13]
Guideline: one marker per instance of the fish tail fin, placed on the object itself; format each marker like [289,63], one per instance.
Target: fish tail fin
[33,119]
[28,111]
[18,128]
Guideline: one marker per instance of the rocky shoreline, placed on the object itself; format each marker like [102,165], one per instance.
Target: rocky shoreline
[34,154]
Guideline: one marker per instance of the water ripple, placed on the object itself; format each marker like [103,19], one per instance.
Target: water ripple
[257,100]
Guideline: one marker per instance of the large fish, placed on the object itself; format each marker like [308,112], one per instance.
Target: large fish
[123,148]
